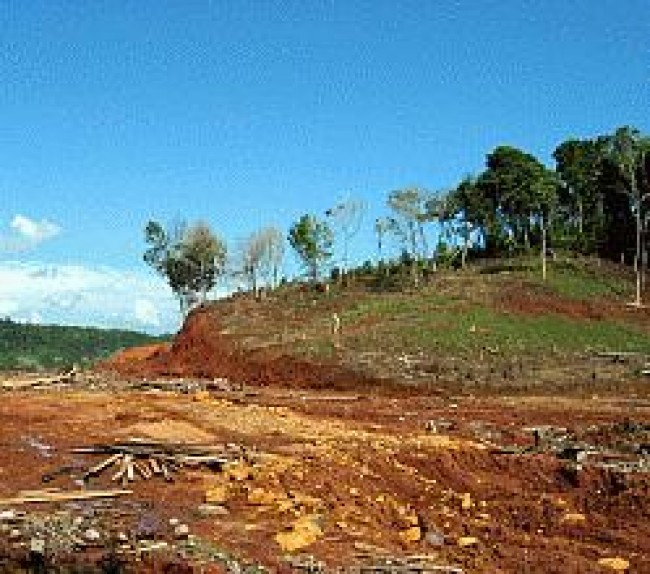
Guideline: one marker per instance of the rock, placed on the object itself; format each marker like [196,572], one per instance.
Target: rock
[216,495]
[92,535]
[151,545]
[412,519]
[201,396]
[617,564]
[434,538]
[206,510]
[15,533]
[413,534]
[37,545]
[174,522]
[7,515]
[304,531]
[261,497]
[574,518]
[560,502]
[181,531]
[465,541]
[239,471]
[466,501]
[121,537]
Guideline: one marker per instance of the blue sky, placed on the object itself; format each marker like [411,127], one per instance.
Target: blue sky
[252,113]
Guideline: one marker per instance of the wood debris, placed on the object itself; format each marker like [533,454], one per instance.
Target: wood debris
[146,459]
[55,495]
[65,378]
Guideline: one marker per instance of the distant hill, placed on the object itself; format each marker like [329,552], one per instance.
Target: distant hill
[34,347]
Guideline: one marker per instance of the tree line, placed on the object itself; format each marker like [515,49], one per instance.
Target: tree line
[593,202]
[34,347]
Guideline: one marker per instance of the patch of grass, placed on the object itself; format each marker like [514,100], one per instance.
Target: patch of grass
[574,279]
[461,331]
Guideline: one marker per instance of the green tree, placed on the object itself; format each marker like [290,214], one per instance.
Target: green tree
[312,240]
[191,259]
[523,189]
[579,166]
[477,205]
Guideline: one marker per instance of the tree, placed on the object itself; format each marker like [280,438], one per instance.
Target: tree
[436,206]
[629,153]
[312,241]
[580,195]
[408,206]
[347,217]
[522,188]
[382,226]
[190,258]
[476,204]
[262,255]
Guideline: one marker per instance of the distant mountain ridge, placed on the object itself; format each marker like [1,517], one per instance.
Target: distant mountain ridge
[35,347]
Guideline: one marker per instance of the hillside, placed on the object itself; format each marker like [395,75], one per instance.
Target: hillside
[491,326]
[483,422]
[36,347]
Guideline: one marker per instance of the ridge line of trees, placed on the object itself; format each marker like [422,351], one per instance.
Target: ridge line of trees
[595,202]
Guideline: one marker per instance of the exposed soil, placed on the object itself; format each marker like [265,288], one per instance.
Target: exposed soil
[534,300]
[203,349]
[366,470]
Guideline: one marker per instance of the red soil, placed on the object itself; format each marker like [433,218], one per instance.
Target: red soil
[203,350]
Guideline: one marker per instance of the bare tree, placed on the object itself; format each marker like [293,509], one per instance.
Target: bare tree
[408,206]
[346,218]
[262,256]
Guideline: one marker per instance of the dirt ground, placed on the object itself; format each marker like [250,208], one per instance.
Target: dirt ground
[342,481]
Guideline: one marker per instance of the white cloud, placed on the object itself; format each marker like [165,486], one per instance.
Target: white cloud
[78,295]
[27,233]
[34,231]
[147,313]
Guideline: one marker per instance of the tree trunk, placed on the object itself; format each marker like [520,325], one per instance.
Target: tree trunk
[580,217]
[543,251]
[638,263]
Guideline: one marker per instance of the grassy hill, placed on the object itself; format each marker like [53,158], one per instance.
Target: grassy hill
[490,323]
[34,347]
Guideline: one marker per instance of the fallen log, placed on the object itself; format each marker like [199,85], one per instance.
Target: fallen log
[102,466]
[35,496]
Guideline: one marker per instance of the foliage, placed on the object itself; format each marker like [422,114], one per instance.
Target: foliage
[514,194]
[35,347]
[312,240]
[190,258]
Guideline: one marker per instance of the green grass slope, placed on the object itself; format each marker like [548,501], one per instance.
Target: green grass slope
[477,323]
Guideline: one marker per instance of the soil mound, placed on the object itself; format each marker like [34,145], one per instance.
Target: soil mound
[203,349]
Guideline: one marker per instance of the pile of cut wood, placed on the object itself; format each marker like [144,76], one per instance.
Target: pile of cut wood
[67,377]
[147,459]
